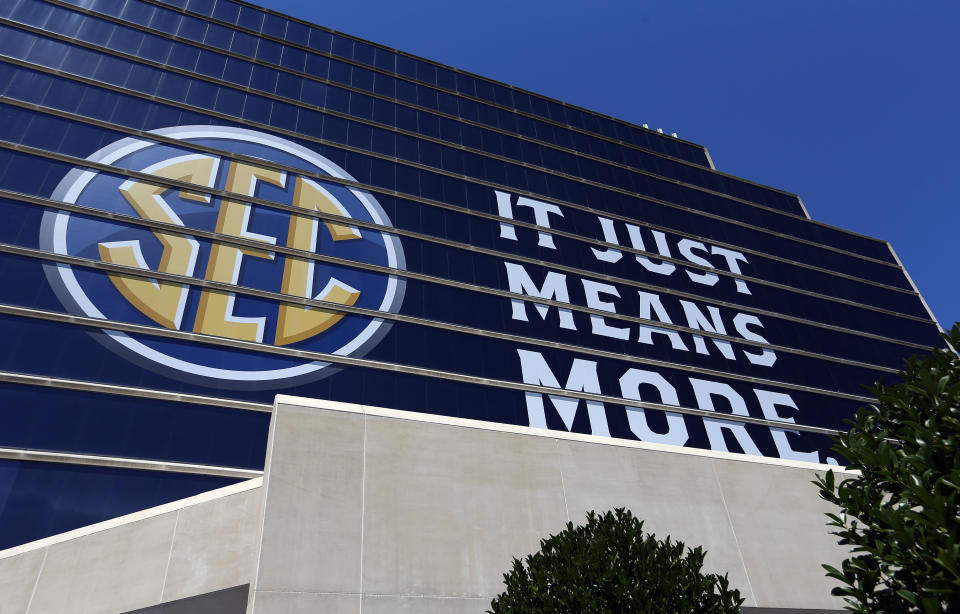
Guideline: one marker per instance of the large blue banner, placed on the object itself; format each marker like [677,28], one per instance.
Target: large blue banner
[313,289]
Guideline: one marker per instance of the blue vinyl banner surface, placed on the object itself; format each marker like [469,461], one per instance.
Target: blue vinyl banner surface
[239,211]
[540,327]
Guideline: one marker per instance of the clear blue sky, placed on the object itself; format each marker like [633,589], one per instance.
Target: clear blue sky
[853,105]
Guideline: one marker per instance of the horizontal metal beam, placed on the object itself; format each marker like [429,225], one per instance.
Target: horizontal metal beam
[66,458]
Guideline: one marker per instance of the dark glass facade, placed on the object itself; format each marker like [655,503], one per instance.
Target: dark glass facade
[205,204]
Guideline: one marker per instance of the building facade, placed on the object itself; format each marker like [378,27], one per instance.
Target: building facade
[207,204]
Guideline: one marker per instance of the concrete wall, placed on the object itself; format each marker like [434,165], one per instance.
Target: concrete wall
[388,511]
[189,547]
[380,511]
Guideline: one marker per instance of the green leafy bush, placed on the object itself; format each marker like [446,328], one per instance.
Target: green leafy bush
[901,515]
[610,566]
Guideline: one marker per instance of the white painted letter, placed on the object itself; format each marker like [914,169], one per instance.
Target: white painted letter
[582,378]
[630,389]
[610,236]
[705,390]
[554,288]
[731,257]
[541,214]
[766,358]
[592,290]
[696,319]
[768,403]
[686,247]
[662,268]
[652,302]
[507,231]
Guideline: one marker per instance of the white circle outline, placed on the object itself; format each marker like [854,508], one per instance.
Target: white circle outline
[54,233]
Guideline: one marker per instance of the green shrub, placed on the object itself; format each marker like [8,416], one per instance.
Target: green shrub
[901,515]
[610,566]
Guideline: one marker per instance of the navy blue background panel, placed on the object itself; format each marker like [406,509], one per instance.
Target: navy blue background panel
[206,198]
[42,499]
[80,422]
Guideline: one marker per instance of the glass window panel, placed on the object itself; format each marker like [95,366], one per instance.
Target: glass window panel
[263,79]
[201,94]
[408,149]
[343,47]
[274,25]
[384,142]
[449,130]
[314,93]
[144,79]
[15,43]
[297,33]
[184,56]
[218,36]
[288,85]
[447,103]
[362,52]
[387,60]
[284,115]
[317,66]
[165,20]
[484,89]
[340,72]
[334,129]
[426,72]
[192,28]
[126,40]
[310,123]
[27,12]
[385,85]
[257,109]
[137,12]
[100,104]
[238,72]
[226,11]
[250,18]
[156,49]
[294,59]
[173,86]
[338,100]
[204,7]
[384,112]
[446,78]
[362,78]
[406,92]
[95,31]
[359,135]
[407,118]
[244,44]
[427,97]
[48,53]
[502,95]
[465,84]
[320,40]
[406,66]
[229,101]
[211,64]
[361,106]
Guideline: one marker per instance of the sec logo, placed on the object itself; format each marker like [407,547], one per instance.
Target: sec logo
[191,308]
